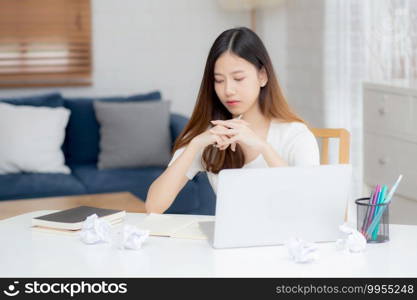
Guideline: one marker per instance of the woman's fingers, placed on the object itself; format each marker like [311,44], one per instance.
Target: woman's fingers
[230,142]
[224,137]
[226,124]
[224,134]
[224,144]
[218,140]
[233,139]
[238,121]
[230,123]
[221,142]
[220,130]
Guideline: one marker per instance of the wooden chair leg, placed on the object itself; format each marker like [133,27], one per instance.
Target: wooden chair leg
[325,151]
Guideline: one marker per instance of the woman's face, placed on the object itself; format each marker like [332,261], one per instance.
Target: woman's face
[237,83]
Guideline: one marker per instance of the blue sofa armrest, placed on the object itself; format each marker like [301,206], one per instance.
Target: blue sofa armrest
[177,124]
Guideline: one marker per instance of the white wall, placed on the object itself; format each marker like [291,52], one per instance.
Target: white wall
[298,54]
[272,29]
[144,45]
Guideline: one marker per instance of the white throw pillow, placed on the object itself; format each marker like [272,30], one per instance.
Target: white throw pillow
[31,139]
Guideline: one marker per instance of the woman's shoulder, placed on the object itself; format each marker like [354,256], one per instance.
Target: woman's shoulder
[293,127]
[286,133]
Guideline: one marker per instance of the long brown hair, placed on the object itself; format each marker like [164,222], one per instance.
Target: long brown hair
[244,43]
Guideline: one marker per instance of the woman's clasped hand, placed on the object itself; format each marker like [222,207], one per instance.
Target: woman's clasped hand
[230,132]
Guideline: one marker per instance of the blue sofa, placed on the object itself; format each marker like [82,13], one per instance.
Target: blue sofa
[81,148]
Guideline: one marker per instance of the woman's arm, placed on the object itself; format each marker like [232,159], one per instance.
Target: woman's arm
[272,158]
[166,187]
[300,150]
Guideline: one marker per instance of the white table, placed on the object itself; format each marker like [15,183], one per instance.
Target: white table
[24,253]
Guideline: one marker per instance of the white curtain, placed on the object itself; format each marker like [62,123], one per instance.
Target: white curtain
[373,40]
[344,71]
[391,39]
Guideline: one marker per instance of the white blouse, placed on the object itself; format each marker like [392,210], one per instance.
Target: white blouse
[293,141]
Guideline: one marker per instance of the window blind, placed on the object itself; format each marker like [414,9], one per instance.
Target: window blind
[45,42]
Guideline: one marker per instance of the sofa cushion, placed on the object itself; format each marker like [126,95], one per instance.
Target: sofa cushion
[82,135]
[31,139]
[137,181]
[133,134]
[30,185]
[48,100]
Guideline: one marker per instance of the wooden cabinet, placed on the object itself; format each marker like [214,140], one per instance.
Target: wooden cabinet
[390,145]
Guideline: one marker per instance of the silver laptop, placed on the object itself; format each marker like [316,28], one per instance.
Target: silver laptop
[259,207]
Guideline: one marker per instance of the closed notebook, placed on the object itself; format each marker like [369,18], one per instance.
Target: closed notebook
[177,226]
[73,218]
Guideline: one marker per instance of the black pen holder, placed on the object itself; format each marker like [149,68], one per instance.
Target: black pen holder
[372,215]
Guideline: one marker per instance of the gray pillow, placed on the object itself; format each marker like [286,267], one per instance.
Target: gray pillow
[133,134]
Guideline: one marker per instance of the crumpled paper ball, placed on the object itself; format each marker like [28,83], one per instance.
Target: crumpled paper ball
[301,251]
[133,237]
[355,241]
[95,230]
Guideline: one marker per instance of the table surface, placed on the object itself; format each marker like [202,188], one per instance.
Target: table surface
[122,200]
[26,253]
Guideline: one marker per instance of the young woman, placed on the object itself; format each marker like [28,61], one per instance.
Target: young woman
[241,120]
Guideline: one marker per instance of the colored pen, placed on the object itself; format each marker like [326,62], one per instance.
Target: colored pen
[377,208]
[394,187]
[366,213]
[372,209]
[381,211]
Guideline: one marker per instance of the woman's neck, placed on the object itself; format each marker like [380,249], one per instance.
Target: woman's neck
[255,118]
